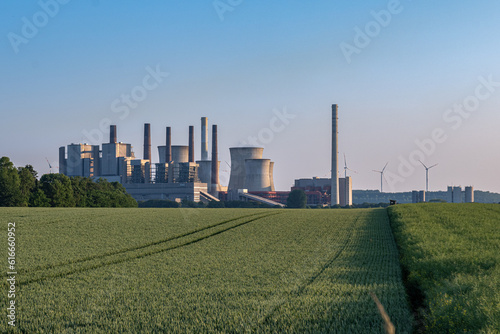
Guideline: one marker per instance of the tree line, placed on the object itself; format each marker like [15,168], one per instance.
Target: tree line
[21,187]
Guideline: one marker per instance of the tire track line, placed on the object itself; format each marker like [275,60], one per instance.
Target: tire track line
[313,278]
[130,249]
[140,256]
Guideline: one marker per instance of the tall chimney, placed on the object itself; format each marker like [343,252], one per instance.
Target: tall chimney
[112,134]
[168,151]
[335,153]
[191,143]
[147,142]
[204,139]
[215,162]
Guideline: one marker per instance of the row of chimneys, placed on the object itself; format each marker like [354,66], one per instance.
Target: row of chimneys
[168,151]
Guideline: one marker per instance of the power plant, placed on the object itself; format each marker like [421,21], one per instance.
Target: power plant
[177,175]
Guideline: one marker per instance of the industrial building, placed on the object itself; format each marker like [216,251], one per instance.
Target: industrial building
[418,196]
[318,190]
[456,195]
[177,175]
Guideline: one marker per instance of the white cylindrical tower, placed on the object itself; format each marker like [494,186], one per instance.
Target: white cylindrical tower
[179,154]
[271,175]
[204,139]
[257,176]
[238,157]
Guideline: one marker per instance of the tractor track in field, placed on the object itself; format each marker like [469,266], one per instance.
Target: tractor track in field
[131,249]
[313,278]
[147,253]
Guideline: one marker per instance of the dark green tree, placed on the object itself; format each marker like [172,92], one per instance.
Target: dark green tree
[28,183]
[38,199]
[10,194]
[57,188]
[297,199]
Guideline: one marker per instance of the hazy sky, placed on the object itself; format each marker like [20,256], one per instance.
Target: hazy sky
[402,73]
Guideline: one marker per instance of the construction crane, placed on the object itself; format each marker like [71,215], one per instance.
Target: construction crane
[50,166]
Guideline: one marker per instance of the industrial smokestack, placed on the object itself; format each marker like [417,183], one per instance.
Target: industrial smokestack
[335,153]
[147,142]
[204,139]
[215,165]
[191,143]
[168,151]
[112,134]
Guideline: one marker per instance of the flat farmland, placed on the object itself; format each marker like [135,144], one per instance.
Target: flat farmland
[451,255]
[204,271]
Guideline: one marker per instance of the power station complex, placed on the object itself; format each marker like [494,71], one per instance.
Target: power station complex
[177,175]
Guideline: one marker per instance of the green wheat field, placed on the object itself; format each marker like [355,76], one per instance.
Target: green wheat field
[253,270]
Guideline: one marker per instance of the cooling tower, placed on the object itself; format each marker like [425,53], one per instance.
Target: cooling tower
[215,163]
[257,176]
[179,154]
[335,154]
[271,175]
[112,134]
[191,143]
[238,157]
[147,142]
[205,172]
[204,139]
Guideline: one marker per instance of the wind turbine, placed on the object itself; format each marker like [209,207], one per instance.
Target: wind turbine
[427,175]
[381,175]
[347,168]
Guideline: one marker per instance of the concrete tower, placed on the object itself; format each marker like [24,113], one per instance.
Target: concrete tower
[180,153]
[147,142]
[271,175]
[238,157]
[215,166]
[204,139]
[191,143]
[335,154]
[257,176]
[168,150]
[112,134]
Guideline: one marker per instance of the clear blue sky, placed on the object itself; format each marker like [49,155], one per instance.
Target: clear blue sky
[240,66]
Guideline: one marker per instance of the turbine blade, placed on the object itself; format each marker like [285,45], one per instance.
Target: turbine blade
[385,166]
[433,166]
[423,164]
